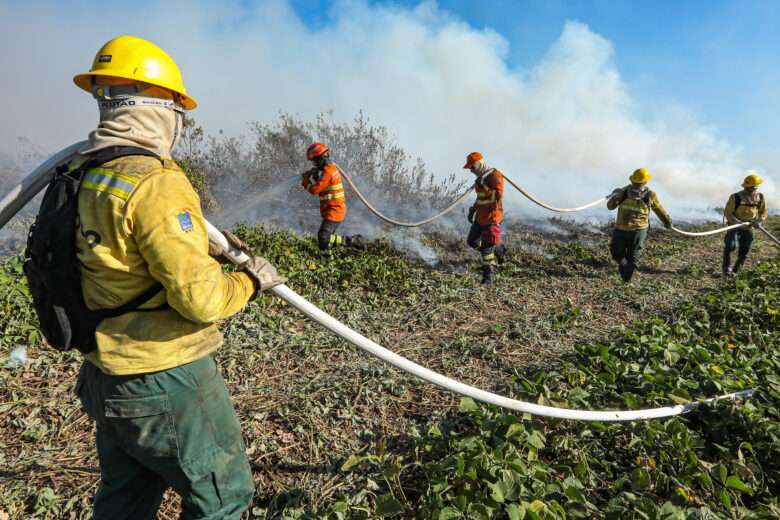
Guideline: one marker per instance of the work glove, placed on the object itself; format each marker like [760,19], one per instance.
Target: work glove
[668,225]
[472,210]
[218,252]
[263,273]
[756,223]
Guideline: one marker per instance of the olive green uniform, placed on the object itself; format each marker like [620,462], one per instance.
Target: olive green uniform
[633,219]
[744,206]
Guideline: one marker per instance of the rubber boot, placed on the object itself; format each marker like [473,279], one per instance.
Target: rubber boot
[738,264]
[355,242]
[500,252]
[487,275]
[727,264]
[622,268]
[629,271]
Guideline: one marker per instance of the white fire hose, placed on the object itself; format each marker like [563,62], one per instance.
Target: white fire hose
[553,208]
[30,186]
[529,197]
[376,212]
[710,232]
[768,234]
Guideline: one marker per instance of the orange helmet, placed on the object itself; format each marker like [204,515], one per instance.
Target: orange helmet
[315,150]
[471,159]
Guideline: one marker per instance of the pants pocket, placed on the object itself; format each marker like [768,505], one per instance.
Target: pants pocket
[144,426]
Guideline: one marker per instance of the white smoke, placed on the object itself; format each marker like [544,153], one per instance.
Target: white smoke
[568,129]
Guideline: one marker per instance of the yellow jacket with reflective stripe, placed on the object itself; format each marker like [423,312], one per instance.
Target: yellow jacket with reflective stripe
[140,223]
[751,206]
[634,207]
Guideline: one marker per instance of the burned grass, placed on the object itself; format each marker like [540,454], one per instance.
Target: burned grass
[308,402]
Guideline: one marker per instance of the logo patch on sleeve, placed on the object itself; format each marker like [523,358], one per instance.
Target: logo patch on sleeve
[185,221]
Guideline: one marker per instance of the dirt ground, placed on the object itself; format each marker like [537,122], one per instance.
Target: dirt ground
[307,400]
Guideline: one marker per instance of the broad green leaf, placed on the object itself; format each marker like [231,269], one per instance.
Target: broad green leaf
[387,505]
[351,462]
[733,482]
[449,513]
[497,491]
[468,405]
[515,512]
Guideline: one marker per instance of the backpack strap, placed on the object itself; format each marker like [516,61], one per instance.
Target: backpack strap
[737,200]
[132,305]
[115,152]
[101,157]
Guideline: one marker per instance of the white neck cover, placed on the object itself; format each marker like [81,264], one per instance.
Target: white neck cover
[144,122]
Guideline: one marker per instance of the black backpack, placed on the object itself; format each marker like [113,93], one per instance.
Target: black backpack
[644,198]
[738,201]
[52,268]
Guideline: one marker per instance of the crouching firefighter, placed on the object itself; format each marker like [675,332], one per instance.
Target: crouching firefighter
[634,203]
[119,268]
[486,215]
[324,180]
[747,205]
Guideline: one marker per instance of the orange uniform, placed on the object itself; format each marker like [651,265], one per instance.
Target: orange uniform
[490,192]
[327,184]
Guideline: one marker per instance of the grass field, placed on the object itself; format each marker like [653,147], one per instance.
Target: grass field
[332,432]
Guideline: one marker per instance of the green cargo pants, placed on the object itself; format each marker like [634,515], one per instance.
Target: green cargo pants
[628,245]
[176,428]
[742,236]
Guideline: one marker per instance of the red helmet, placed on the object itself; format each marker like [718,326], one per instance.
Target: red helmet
[471,159]
[315,150]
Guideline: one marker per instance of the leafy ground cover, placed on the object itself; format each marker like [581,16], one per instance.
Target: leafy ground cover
[332,432]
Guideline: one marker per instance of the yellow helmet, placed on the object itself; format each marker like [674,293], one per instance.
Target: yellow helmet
[140,60]
[751,181]
[640,176]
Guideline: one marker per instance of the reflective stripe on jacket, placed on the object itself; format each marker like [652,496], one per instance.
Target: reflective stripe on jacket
[634,205]
[140,223]
[326,183]
[490,192]
[751,206]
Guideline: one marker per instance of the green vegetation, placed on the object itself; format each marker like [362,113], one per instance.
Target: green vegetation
[334,433]
[718,461]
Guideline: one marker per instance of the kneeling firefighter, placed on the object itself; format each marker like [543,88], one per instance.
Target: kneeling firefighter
[486,215]
[747,205]
[634,203]
[164,415]
[324,180]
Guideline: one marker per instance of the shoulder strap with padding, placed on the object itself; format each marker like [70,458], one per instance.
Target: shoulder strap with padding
[115,152]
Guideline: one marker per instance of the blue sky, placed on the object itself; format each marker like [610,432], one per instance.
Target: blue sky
[721,59]
[561,94]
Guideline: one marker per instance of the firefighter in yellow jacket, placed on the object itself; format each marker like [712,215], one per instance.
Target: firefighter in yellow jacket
[633,203]
[747,205]
[164,416]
